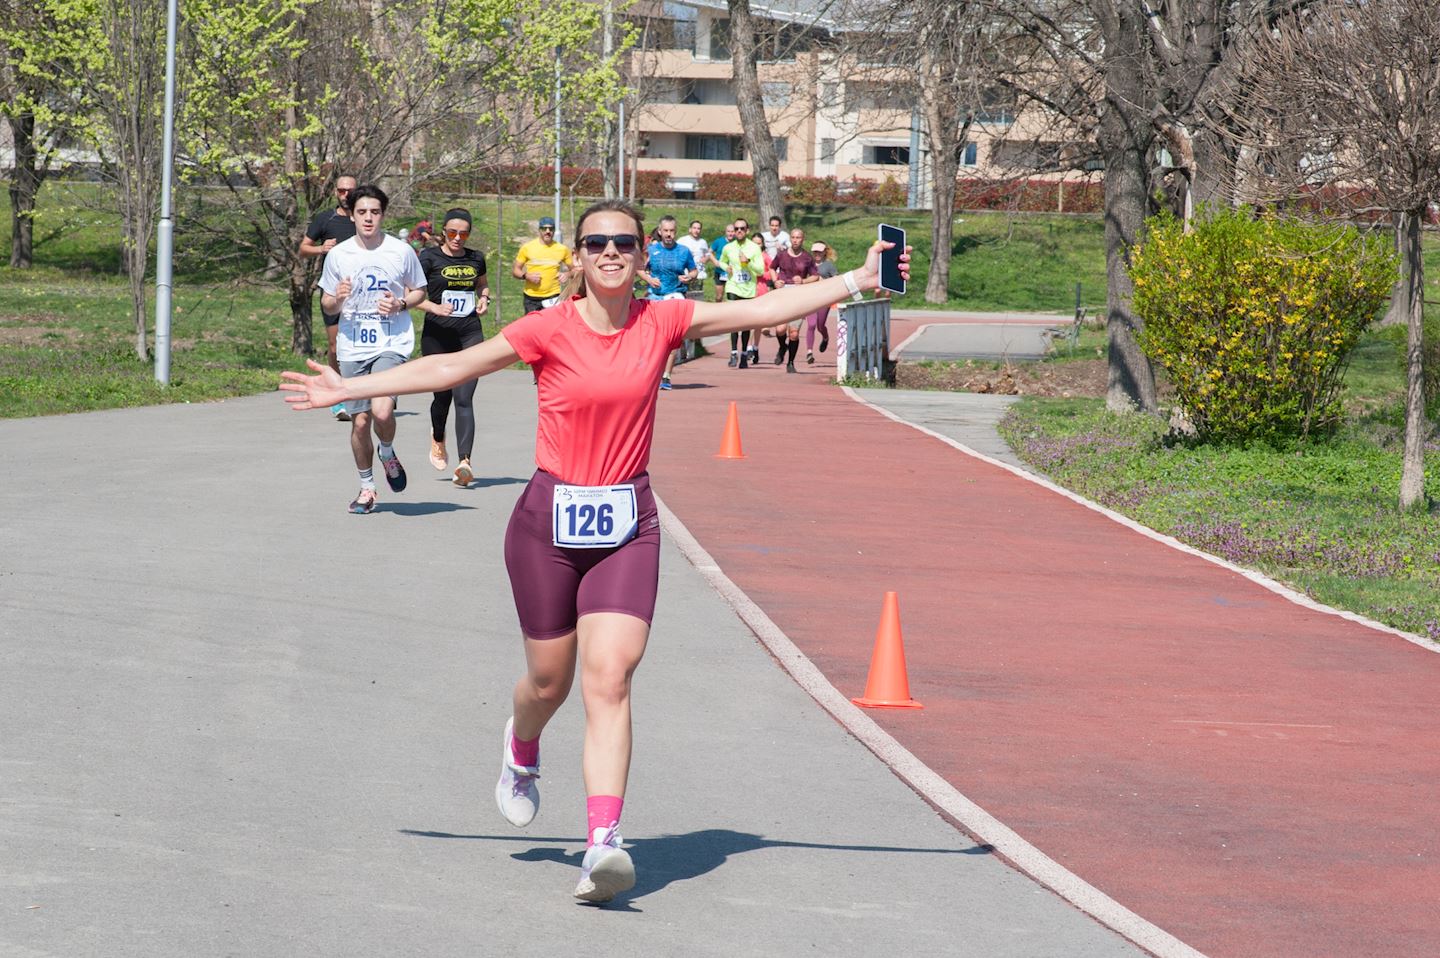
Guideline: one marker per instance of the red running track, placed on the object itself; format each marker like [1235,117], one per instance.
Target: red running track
[1254,777]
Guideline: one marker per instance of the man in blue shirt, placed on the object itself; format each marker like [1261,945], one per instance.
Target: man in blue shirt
[670,268]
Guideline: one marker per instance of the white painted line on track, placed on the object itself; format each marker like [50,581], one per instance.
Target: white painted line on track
[1258,578]
[977,822]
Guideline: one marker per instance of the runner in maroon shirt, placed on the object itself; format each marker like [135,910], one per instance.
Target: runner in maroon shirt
[793,267]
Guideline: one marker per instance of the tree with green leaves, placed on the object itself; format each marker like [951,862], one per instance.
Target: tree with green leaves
[41,53]
[290,94]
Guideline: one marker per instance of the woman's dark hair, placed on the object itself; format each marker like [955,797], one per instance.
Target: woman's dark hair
[369,191]
[576,282]
[457,213]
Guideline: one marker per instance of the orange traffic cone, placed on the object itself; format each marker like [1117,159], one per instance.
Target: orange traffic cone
[730,441]
[887,686]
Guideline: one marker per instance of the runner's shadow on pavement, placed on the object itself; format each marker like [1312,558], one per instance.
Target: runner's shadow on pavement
[420,508]
[671,858]
[679,386]
[485,482]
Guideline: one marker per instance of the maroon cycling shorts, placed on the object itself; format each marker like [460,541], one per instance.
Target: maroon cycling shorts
[554,586]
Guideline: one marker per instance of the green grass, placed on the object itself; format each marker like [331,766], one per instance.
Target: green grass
[1321,516]
[67,336]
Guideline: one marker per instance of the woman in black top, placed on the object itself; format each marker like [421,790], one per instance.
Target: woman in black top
[458,296]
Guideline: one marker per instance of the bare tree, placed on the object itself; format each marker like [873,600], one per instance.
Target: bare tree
[759,143]
[943,59]
[1141,76]
[1347,96]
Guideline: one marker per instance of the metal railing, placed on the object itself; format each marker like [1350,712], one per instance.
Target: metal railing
[862,340]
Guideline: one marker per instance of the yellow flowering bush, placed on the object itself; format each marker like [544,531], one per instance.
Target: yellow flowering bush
[1254,318]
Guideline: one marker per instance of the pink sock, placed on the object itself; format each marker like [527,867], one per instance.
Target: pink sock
[525,753]
[603,811]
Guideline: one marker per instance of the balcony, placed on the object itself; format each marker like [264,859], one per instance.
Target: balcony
[689,118]
[678,63]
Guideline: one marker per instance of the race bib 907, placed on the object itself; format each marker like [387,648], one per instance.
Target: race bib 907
[594,517]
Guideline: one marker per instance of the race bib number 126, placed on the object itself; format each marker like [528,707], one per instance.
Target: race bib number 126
[594,517]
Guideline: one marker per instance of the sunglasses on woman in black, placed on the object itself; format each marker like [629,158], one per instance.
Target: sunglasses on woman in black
[595,243]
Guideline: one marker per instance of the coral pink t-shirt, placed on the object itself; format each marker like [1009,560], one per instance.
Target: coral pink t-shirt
[597,393]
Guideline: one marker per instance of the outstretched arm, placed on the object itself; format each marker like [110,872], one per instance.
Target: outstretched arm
[791,302]
[427,374]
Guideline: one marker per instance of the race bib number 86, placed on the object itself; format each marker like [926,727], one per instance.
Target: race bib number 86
[593,517]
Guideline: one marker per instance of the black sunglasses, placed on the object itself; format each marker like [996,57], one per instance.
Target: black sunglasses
[595,243]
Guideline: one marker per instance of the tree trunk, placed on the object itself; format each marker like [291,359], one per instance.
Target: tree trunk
[946,142]
[758,141]
[24,185]
[301,291]
[1124,142]
[1412,470]
[1399,309]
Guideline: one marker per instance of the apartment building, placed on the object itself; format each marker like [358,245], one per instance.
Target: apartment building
[828,117]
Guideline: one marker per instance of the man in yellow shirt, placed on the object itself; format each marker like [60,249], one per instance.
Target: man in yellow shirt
[541,263]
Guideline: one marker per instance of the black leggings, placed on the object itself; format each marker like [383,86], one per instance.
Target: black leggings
[435,338]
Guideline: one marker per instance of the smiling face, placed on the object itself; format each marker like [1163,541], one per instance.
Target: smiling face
[368,217]
[610,270]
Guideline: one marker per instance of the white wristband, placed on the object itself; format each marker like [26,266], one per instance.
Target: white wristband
[852,286]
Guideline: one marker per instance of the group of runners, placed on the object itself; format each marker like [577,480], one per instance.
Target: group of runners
[583,542]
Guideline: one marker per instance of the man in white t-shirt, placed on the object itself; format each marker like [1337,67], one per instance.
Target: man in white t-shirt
[698,248]
[372,281]
[775,238]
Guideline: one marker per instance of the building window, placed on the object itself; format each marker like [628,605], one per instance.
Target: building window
[719,39]
[972,154]
[862,95]
[775,94]
[830,94]
[700,147]
[782,148]
[827,149]
[887,156]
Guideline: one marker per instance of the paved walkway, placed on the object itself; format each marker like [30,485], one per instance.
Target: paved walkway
[1254,777]
[240,721]
[949,335]
[235,720]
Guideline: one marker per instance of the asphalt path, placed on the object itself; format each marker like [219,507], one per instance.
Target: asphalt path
[235,720]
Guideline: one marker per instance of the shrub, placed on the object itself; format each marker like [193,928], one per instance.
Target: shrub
[540,181]
[1030,195]
[1254,319]
[812,190]
[727,188]
[870,193]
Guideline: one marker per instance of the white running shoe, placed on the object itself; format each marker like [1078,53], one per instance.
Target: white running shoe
[516,793]
[607,869]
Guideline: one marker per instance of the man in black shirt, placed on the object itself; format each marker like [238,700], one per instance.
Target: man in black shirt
[326,229]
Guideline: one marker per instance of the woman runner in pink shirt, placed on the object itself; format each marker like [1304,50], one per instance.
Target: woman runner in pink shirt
[583,544]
